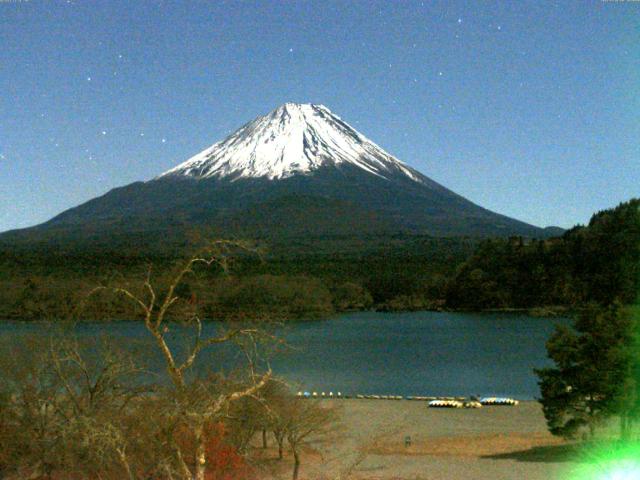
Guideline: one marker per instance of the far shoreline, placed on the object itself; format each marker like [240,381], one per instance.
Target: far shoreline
[545,312]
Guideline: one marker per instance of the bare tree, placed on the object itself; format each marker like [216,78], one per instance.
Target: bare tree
[307,420]
[104,401]
[209,406]
[67,409]
[84,409]
[30,427]
[275,399]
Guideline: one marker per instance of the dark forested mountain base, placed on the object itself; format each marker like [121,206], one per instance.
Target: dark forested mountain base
[161,215]
[293,278]
[311,276]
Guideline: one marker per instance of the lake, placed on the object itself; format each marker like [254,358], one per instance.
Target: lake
[416,353]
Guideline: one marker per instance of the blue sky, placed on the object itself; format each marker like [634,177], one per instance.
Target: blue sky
[529,108]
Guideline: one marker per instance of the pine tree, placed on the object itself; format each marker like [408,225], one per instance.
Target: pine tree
[594,378]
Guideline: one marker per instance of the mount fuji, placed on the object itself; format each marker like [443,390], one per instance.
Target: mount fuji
[298,171]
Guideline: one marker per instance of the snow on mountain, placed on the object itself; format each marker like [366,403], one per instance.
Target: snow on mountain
[335,183]
[292,139]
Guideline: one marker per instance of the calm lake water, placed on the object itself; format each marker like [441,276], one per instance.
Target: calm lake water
[417,353]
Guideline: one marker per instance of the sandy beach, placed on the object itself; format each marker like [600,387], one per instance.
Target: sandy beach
[488,443]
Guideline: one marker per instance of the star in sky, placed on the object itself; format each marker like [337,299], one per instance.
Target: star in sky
[403,45]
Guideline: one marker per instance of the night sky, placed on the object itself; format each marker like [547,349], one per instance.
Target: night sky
[528,108]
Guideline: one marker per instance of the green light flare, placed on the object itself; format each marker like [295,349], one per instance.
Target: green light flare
[628,470]
[610,462]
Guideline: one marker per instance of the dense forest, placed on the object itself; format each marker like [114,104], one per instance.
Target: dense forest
[285,278]
[596,371]
[292,278]
[598,263]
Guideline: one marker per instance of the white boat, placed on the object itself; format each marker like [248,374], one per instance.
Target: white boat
[445,404]
[498,401]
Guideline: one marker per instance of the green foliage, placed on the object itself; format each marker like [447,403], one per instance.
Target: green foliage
[594,378]
[351,296]
[305,277]
[276,297]
[597,263]
[296,279]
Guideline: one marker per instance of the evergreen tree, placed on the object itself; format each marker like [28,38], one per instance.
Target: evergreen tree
[629,398]
[594,378]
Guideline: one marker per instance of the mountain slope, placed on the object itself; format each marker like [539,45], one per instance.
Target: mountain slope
[300,170]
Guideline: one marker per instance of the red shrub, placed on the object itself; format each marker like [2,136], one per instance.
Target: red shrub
[223,460]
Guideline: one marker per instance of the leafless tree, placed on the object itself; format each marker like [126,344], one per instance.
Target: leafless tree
[66,409]
[275,399]
[31,426]
[209,405]
[86,409]
[307,420]
[296,420]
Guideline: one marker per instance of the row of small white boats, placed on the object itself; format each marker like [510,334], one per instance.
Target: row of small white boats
[457,403]
[434,402]
[322,395]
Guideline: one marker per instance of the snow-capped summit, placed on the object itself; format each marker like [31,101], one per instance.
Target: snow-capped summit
[297,172]
[292,139]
